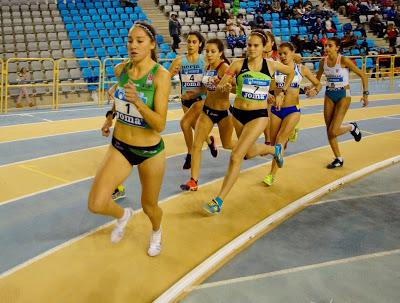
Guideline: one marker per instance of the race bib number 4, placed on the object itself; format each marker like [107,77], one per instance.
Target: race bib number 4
[192,78]
[255,89]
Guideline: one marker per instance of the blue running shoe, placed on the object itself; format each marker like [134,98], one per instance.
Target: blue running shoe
[212,207]
[278,155]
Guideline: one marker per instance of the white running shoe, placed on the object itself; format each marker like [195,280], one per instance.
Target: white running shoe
[118,231]
[155,243]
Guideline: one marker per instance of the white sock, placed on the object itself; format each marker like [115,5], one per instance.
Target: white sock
[352,127]
[125,215]
[340,159]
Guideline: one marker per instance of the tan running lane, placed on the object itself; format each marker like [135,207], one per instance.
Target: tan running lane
[94,270]
[42,129]
[47,172]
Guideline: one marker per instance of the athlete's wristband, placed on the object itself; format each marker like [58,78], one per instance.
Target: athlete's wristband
[365,93]
[110,112]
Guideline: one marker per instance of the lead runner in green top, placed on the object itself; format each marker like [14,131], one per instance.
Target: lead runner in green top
[254,75]
[140,106]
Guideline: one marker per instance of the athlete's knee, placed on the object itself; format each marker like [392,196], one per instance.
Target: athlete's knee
[150,209]
[333,132]
[96,204]
[196,146]
[236,158]
[185,124]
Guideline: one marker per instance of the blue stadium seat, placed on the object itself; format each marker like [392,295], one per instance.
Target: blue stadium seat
[105,18]
[171,55]
[267,17]
[142,17]
[86,19]
[98,4]
[276,31]
[292,22]
[79,53]
[285,38]
[115,17]
[69,27]
[92,12]
[128,10]
[166,64]
[89,5]
[119,10]
[109,25]
[370,42]
[79,27]
[80,6]
[124,17]
[101,52]
[83,35]
[103,33]
[107,4]
[285,31]
[99,25]
[73,35]
[76,19]
[107,42]
[329,35]
[89,26]
[74,12]
[161,55]
[112,51]
[340,35]
[355,52]
[114,33]
[123,51]
[303,30]
[119,42]
[64,13]
[119,24]
[276,24]
[67,19]
[86,43]
[128,24]
[138,10]
[111,11]
[123,32]
[83,64]
[96,18]
[369,63]
[97,43]
[316,65]
[275,16]
[359,63]
[76,44]
[294,30]
[93,34]
[284,23]
[159,39]
[90,53]
[94,63]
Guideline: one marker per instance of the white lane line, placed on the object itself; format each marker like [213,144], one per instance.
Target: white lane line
[367,132]
[57,111]
[211,262]
[70,242]
[357,197]
[392,117]
[47,120]
[296,269]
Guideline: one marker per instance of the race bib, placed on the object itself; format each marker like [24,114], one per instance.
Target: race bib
[126,111]
[208,80]
[192,78]
[255,89]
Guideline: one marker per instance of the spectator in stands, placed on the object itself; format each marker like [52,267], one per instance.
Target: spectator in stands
[258,21]
[364,48]
[217,6]
[298,43]
[349,40]
[323,40]
[267,9]
[299,11]
[308,45]
[231,26]
[22,78]
[316,44]
[202,9]
[397,17]
[377,26]
[276,6]
[361,28]
[286,12]
[317,27]
[392,32]
[329,26]
[174,31]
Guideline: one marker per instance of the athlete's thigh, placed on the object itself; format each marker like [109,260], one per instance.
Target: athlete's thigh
[289,123]
[329,108]
[113,171]
[275,124]
[203,128]
[225,127]
[340,111]
[151,174]
[249,135]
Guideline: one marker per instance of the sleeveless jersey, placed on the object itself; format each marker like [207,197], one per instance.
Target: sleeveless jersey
[252,85]
[281,78]
[337,76]
[191,74]
[126,111]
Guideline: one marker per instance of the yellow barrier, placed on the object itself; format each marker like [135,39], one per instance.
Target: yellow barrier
[1,84]
[44,84]
[104,77]
[60,84]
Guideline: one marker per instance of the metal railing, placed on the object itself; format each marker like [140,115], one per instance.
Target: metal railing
[71,82]
[375,66]
[44,83]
